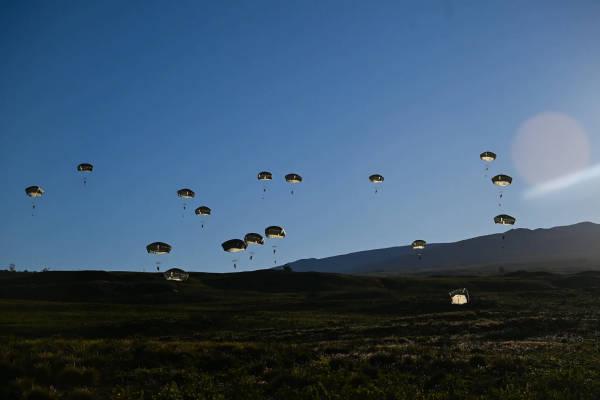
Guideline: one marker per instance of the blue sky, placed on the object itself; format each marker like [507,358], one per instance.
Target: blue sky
[161,95]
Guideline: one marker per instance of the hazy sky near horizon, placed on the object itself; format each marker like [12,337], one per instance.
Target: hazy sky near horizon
[161,95]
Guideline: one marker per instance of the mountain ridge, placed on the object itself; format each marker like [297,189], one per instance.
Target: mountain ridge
[567,247]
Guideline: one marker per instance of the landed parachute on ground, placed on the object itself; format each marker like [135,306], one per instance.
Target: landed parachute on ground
[176,274]
[158,248]
[459,296]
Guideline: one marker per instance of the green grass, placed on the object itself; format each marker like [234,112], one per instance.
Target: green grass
[278,335]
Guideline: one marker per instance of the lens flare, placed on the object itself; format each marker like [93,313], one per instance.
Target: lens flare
[550,146]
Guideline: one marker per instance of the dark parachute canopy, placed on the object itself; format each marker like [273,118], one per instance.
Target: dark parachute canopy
[254,238]
[293,178]
[275,232]
[488,156]
[176,274]
[234,245]
[419,244]
[265,176]
[376,178]
[202,210]
[85,167]
[186,193]
[502,180]
[34,191]
[158,248]
[504,219]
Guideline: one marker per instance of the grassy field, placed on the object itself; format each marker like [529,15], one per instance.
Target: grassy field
[286,335]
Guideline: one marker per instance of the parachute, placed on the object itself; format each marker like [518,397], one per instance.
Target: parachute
[418,246]
[185,194]
[501,181]
[459,296]
[234,246]
[176,274]
[85,168]
[255,239]
[488,156]
[34,192]
[264,177]
[376,179]
[203,212]
[158,248]
[275,232]
[293,179]
[504,219]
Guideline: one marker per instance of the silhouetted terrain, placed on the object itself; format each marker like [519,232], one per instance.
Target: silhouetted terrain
[289,335]
[561,249]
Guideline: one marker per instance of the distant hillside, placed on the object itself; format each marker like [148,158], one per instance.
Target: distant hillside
[562,249]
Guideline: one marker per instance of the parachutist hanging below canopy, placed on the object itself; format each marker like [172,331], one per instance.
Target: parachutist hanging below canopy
[294,179]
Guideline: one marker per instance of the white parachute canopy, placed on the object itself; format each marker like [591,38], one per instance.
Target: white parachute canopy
[459,296]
